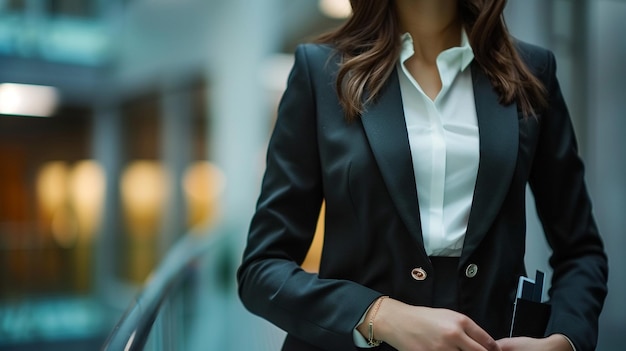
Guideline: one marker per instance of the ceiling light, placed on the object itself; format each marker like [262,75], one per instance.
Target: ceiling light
[28,100]
[335,8]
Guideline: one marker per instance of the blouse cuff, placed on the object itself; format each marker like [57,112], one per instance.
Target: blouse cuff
[359,339]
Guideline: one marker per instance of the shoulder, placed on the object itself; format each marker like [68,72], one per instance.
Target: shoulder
[316,51]
[539,60]
[321,61]
[532,54]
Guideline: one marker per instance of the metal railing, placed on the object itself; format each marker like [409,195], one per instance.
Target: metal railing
[151,317]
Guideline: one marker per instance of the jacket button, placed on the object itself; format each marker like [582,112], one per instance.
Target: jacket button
[418,273]
[471,270]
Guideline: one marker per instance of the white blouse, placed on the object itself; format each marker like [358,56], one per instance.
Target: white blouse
[444,142]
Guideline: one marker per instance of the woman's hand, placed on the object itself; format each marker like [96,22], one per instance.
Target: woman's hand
[415,328]
[555,342]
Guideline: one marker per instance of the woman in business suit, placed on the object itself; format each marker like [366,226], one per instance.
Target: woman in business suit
[420,123]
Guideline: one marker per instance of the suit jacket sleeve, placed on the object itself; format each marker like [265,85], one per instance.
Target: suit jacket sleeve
[322,312]
[563,205]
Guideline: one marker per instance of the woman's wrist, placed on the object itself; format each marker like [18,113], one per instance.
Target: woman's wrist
[560,342]
[372,327]
[388,312]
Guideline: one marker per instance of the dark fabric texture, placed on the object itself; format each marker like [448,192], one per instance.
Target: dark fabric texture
[373,239]
[445,292]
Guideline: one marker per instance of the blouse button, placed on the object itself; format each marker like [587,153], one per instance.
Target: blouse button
[471,270]
[418,273]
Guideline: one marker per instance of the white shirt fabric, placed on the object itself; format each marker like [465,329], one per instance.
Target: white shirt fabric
[443,136]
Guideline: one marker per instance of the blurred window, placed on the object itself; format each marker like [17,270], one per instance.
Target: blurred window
[41,250]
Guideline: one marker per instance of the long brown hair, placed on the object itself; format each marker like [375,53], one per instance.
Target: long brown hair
[369,44]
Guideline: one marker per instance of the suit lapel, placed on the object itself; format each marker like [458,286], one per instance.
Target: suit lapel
[499,137]
[498,126]
[386,132]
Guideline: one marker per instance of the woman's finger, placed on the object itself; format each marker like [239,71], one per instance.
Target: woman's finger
[481,337]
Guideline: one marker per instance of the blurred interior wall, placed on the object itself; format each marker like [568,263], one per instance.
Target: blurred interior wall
[242,109]
[587,39]
[606,162]
[227,43]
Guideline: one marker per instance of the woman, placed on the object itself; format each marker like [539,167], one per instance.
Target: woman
[420,123]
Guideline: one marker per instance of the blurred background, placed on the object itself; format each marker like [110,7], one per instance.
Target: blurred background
[132,144]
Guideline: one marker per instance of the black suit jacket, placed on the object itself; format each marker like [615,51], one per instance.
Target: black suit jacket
[373,238]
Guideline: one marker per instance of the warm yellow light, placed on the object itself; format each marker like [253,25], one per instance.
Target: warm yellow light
[52,195]
[28,100]
[313,257]
[64,227]
[51,185]
[86,194]
[335,8]
[202,184]
[70,200]
[143,192]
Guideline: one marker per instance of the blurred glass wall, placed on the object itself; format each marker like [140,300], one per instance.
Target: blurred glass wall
[159,112]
